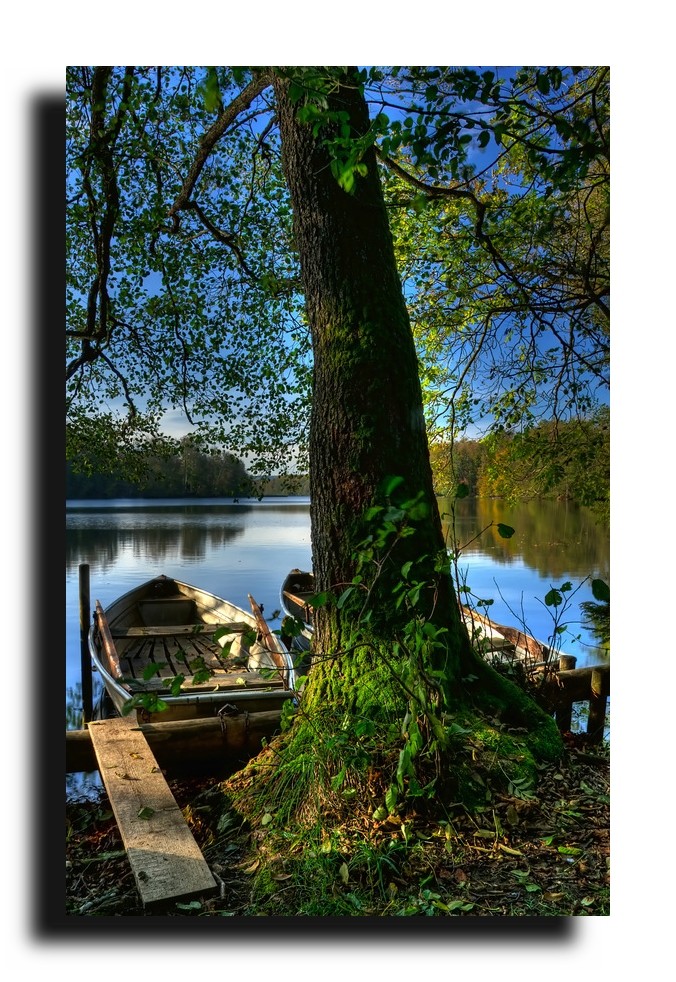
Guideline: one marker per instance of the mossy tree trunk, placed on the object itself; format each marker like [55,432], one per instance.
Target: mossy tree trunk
[367,425]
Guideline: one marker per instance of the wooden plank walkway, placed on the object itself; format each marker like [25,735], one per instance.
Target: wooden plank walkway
[165,859]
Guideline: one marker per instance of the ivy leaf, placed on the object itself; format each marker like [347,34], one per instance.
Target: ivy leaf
[343,597]
[390,484]
[153,669]
[320,599]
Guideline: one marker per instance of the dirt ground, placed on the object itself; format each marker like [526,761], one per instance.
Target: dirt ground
[544,855]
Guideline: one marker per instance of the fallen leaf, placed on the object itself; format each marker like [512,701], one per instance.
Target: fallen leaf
[146,812]
[344,874]
[569,851]
[509,850]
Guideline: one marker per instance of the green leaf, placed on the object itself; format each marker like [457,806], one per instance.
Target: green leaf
[296,92]
[553,598]
[542,82]
[212,92]
[461,490]
[320,599]
[390,484]
[266,819]
[146,812]
[600,591]
[153,669]
[459,905]
[337,780]
[176,684]
[505,531]
[343,597]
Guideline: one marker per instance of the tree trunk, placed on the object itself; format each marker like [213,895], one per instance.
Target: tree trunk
[367,425]
[367,416]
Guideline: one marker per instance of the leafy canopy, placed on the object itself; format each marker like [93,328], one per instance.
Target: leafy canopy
[183,287]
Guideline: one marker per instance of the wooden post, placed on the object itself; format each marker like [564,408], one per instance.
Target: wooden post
[567,662]
[597,708]
[85,659]
[564,711]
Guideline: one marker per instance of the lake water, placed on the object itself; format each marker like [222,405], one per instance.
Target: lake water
[232,549]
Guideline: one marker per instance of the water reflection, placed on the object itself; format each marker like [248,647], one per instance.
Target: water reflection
[551,537]
[102,547]
[232,549]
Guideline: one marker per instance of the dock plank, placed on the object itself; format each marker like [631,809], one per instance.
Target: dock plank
[165,859]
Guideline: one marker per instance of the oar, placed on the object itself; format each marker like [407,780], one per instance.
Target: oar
[267,639]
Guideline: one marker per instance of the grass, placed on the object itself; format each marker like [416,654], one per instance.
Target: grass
[539,852]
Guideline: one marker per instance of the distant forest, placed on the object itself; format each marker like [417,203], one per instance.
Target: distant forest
[190,474]
[568,461]
[556,460]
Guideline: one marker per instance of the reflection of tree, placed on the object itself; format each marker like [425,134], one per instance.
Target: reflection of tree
[74,701]
[154,544]
[551,536]
[74,706]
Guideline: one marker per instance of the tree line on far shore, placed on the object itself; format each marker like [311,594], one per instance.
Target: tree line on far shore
[187,474]
[565,460]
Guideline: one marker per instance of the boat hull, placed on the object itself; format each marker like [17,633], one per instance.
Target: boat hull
[165,629]
[496,641]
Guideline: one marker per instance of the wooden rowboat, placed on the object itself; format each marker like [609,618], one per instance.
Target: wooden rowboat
[496,641]
[296,591]
[179,653]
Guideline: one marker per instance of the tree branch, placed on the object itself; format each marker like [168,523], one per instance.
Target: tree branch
[211,138]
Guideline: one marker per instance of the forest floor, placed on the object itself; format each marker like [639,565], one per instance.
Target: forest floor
[544,854]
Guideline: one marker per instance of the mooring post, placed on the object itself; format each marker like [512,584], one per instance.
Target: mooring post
[597,708]
[85,658]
